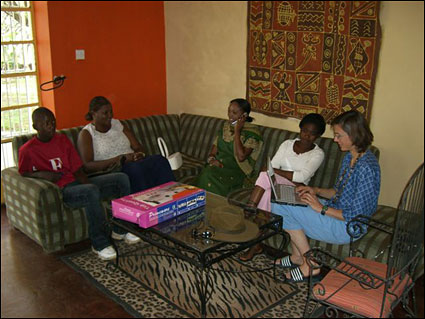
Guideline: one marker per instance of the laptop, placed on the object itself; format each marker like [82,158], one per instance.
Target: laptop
[282,194]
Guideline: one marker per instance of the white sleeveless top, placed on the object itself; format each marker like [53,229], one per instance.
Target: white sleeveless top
[109,144]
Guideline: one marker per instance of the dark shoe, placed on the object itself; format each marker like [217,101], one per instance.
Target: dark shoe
[255,250]
[297,276]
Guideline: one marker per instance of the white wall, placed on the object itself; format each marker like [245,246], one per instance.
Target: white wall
[206,68]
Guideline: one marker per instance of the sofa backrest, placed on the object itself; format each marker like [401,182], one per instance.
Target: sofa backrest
[20,140]
[193,135]
[147,129]
[197,133]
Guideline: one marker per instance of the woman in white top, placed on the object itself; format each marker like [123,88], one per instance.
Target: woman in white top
[106,143]
[294,163]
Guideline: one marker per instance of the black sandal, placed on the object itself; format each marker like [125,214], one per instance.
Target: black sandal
[285,262]
[297,276]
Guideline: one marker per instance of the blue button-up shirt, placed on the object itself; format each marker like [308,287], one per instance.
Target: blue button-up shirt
[361,192]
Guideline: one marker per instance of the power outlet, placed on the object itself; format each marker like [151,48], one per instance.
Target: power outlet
[80,55]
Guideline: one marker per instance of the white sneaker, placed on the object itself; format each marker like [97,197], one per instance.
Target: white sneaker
[117,236]
[106,253]
[129,238]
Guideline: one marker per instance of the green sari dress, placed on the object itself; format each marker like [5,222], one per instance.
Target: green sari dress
[233,174]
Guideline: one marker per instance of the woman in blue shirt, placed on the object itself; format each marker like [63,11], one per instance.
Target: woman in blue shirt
[355,192]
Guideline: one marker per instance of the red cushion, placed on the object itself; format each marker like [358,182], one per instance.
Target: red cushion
[355,298]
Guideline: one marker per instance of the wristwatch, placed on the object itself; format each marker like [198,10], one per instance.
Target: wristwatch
[324,209]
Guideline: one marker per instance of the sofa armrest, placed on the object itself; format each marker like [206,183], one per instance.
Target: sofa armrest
[33,206]
[18,187]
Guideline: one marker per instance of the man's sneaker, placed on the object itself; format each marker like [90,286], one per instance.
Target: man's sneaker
[117,236]
[106,253]
[129,238]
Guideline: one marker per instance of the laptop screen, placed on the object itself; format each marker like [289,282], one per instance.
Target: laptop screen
[270,170]
[272,177]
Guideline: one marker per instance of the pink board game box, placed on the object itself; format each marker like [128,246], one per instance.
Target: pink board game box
[158,204]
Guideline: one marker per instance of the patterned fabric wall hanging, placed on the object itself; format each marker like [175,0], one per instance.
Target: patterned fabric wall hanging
[312,56]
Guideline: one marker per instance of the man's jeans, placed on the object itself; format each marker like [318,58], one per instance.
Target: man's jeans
[89,196]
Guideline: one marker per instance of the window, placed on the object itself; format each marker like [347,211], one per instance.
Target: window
[20,93]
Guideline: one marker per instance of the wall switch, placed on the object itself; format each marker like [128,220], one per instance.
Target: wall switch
[80,55]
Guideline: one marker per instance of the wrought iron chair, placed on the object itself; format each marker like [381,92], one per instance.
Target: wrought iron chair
[366,288]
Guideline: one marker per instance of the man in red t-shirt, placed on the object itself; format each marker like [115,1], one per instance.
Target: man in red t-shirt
[51,156]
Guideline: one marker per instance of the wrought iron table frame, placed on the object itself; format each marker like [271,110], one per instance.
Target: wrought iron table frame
[201,259]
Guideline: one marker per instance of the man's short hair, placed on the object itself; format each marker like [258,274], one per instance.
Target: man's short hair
[40,113]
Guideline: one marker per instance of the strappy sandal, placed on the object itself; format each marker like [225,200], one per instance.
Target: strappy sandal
[285,262]
[297,276]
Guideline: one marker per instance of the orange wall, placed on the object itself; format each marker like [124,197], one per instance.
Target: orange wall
[42,35]
[124,43]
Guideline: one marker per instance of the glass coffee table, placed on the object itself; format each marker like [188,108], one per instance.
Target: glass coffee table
[175,236]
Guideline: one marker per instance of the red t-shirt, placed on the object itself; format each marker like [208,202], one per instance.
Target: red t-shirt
[57,155]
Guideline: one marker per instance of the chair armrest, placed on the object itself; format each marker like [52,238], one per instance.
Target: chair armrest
[317,258]
[356,229]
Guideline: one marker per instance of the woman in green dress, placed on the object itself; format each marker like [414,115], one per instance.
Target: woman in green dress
[236,148]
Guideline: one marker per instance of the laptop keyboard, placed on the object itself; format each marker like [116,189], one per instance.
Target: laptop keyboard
[287,194]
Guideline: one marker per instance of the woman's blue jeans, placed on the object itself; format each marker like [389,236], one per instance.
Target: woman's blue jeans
[149,172]
[89,196]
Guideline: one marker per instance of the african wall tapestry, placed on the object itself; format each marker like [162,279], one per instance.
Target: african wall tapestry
[312,56]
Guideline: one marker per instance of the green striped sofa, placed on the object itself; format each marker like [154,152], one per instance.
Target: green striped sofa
[35,207]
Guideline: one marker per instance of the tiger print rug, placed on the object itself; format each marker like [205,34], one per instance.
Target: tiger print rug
[157,285]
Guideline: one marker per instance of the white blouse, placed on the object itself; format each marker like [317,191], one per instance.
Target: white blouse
[109,144]
[303,165]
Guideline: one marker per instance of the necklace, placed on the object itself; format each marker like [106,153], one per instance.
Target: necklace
[337,186]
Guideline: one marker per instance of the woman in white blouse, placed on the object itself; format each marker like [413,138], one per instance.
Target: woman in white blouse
[294,163]
[106,143]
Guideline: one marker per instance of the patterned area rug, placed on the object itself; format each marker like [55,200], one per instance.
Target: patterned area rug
[162,286]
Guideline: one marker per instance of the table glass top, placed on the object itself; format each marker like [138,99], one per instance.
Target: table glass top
[181,228]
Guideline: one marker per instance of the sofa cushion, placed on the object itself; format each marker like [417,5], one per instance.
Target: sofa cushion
[191,167]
